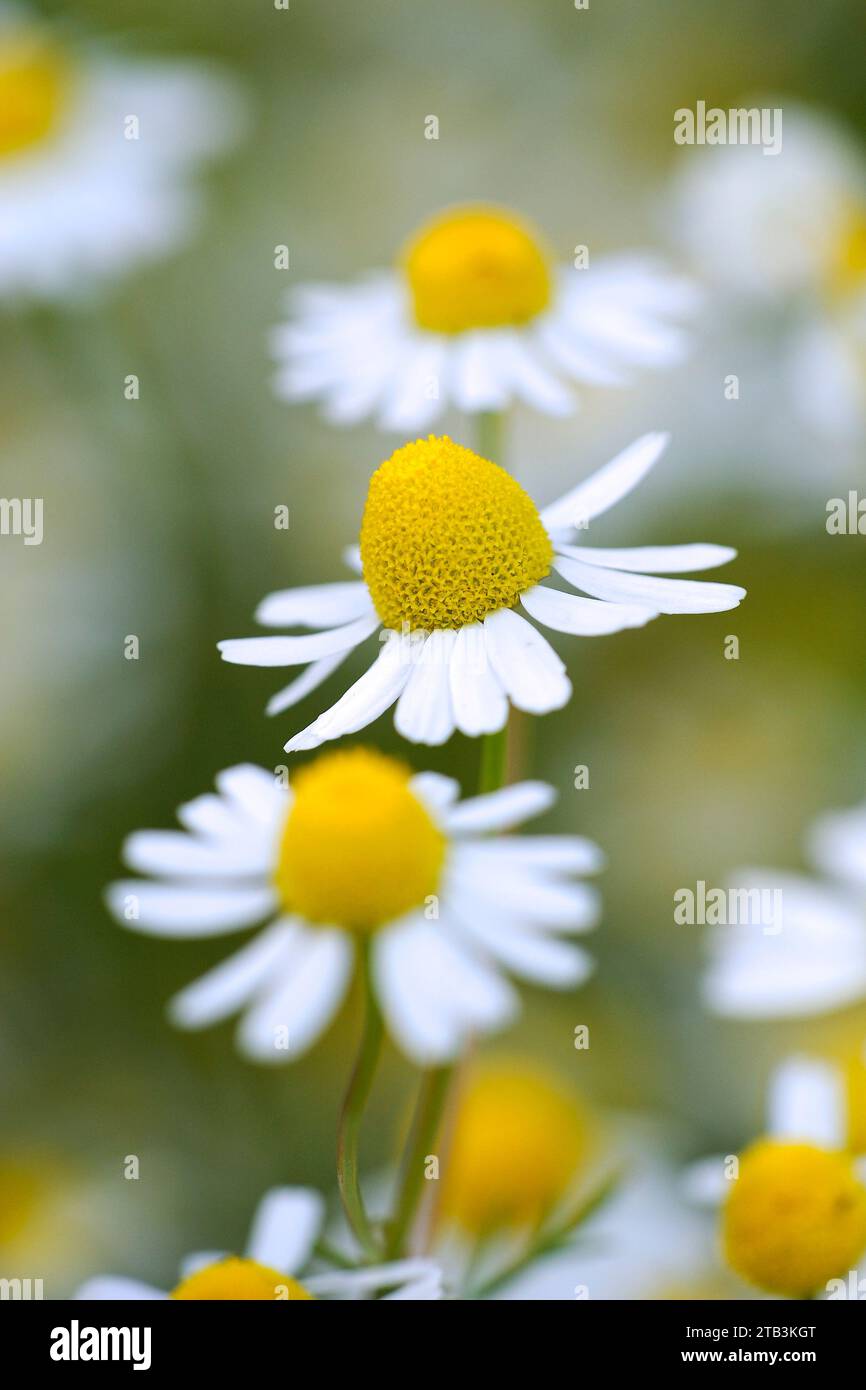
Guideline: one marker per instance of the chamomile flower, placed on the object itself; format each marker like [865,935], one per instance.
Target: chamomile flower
[97,155]
[359,854]
[794,1205]
[451,545]
[279,1251]
[789,233]
[476,314]
[813,959]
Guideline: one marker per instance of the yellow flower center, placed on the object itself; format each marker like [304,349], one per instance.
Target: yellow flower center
[519,1140]
[448,537]
[795,1217]
[848,270]
[237,1280]
[358,849]
[33,88]
[476,267]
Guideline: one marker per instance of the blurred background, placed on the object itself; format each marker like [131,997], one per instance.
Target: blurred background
[159,523]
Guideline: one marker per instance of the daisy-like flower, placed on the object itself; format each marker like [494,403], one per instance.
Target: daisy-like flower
[450,546]
[476,315]
[279,1251]
[794,1204]
[96,157]
[813,959]
[360,853]
[790,232]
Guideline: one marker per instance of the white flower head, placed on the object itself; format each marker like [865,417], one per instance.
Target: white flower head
[279,1250]
[359,854]
[97,157]
[476,315]
[450,546]
[814,958]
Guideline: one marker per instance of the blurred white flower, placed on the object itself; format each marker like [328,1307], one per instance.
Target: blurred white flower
[280,1247]
[450,544]
[98,154]
[789,234]
[476,315]
[359,855]
[814,960]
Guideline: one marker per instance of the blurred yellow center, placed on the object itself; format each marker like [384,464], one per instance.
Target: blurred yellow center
[240,1280]
[519,1140]
[475,267]
[448,537]
[358,849]
[33,85]
[795,1217]
[849,268]
[21,1193]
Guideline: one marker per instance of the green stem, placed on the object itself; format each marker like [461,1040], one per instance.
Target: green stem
[425,1128]
[357,1095]
[494,756]
[490,435]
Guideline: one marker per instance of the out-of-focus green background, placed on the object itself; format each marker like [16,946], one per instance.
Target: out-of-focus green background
[159,522]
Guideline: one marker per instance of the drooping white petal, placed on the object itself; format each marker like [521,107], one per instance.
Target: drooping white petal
[350,1282]
[314,676]
[230,985]
[285,1021]
[580,363]
[476,382]
[500,810]
[583,617]
[316,605]
[171,909]
[523,374]
[413,397]
[608,485]
[114,1288]
[424,712]
[529,670]
[176,855]
[434,994]
[370,696]
[541,959]
[807,1102]
[285,1227]
[652,559]
[478,700]
[553,853]
[296,651]
[664,595]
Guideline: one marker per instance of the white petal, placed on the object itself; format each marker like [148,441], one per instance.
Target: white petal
[428,1289]
[664,595]
[317,605]
[352,558]
[502,809]
[285,1227]
[228,986]
[310,680]
[301,1004]
[216,818]
[528,668]
[476,382]
[169,909]
[520,369]
[505,891]
[256,792]
[807,1103]
[114,1288]
[296,651]
[606,486]
[363,702]
[556,853]
[478,700]
[837,845]
[424,712]
[201,1259]
[173,854]
[653,559]
[355,1281]
[413,398]
[705,1182]
[436,791]
[434,994]
[541,959]
[583,617]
